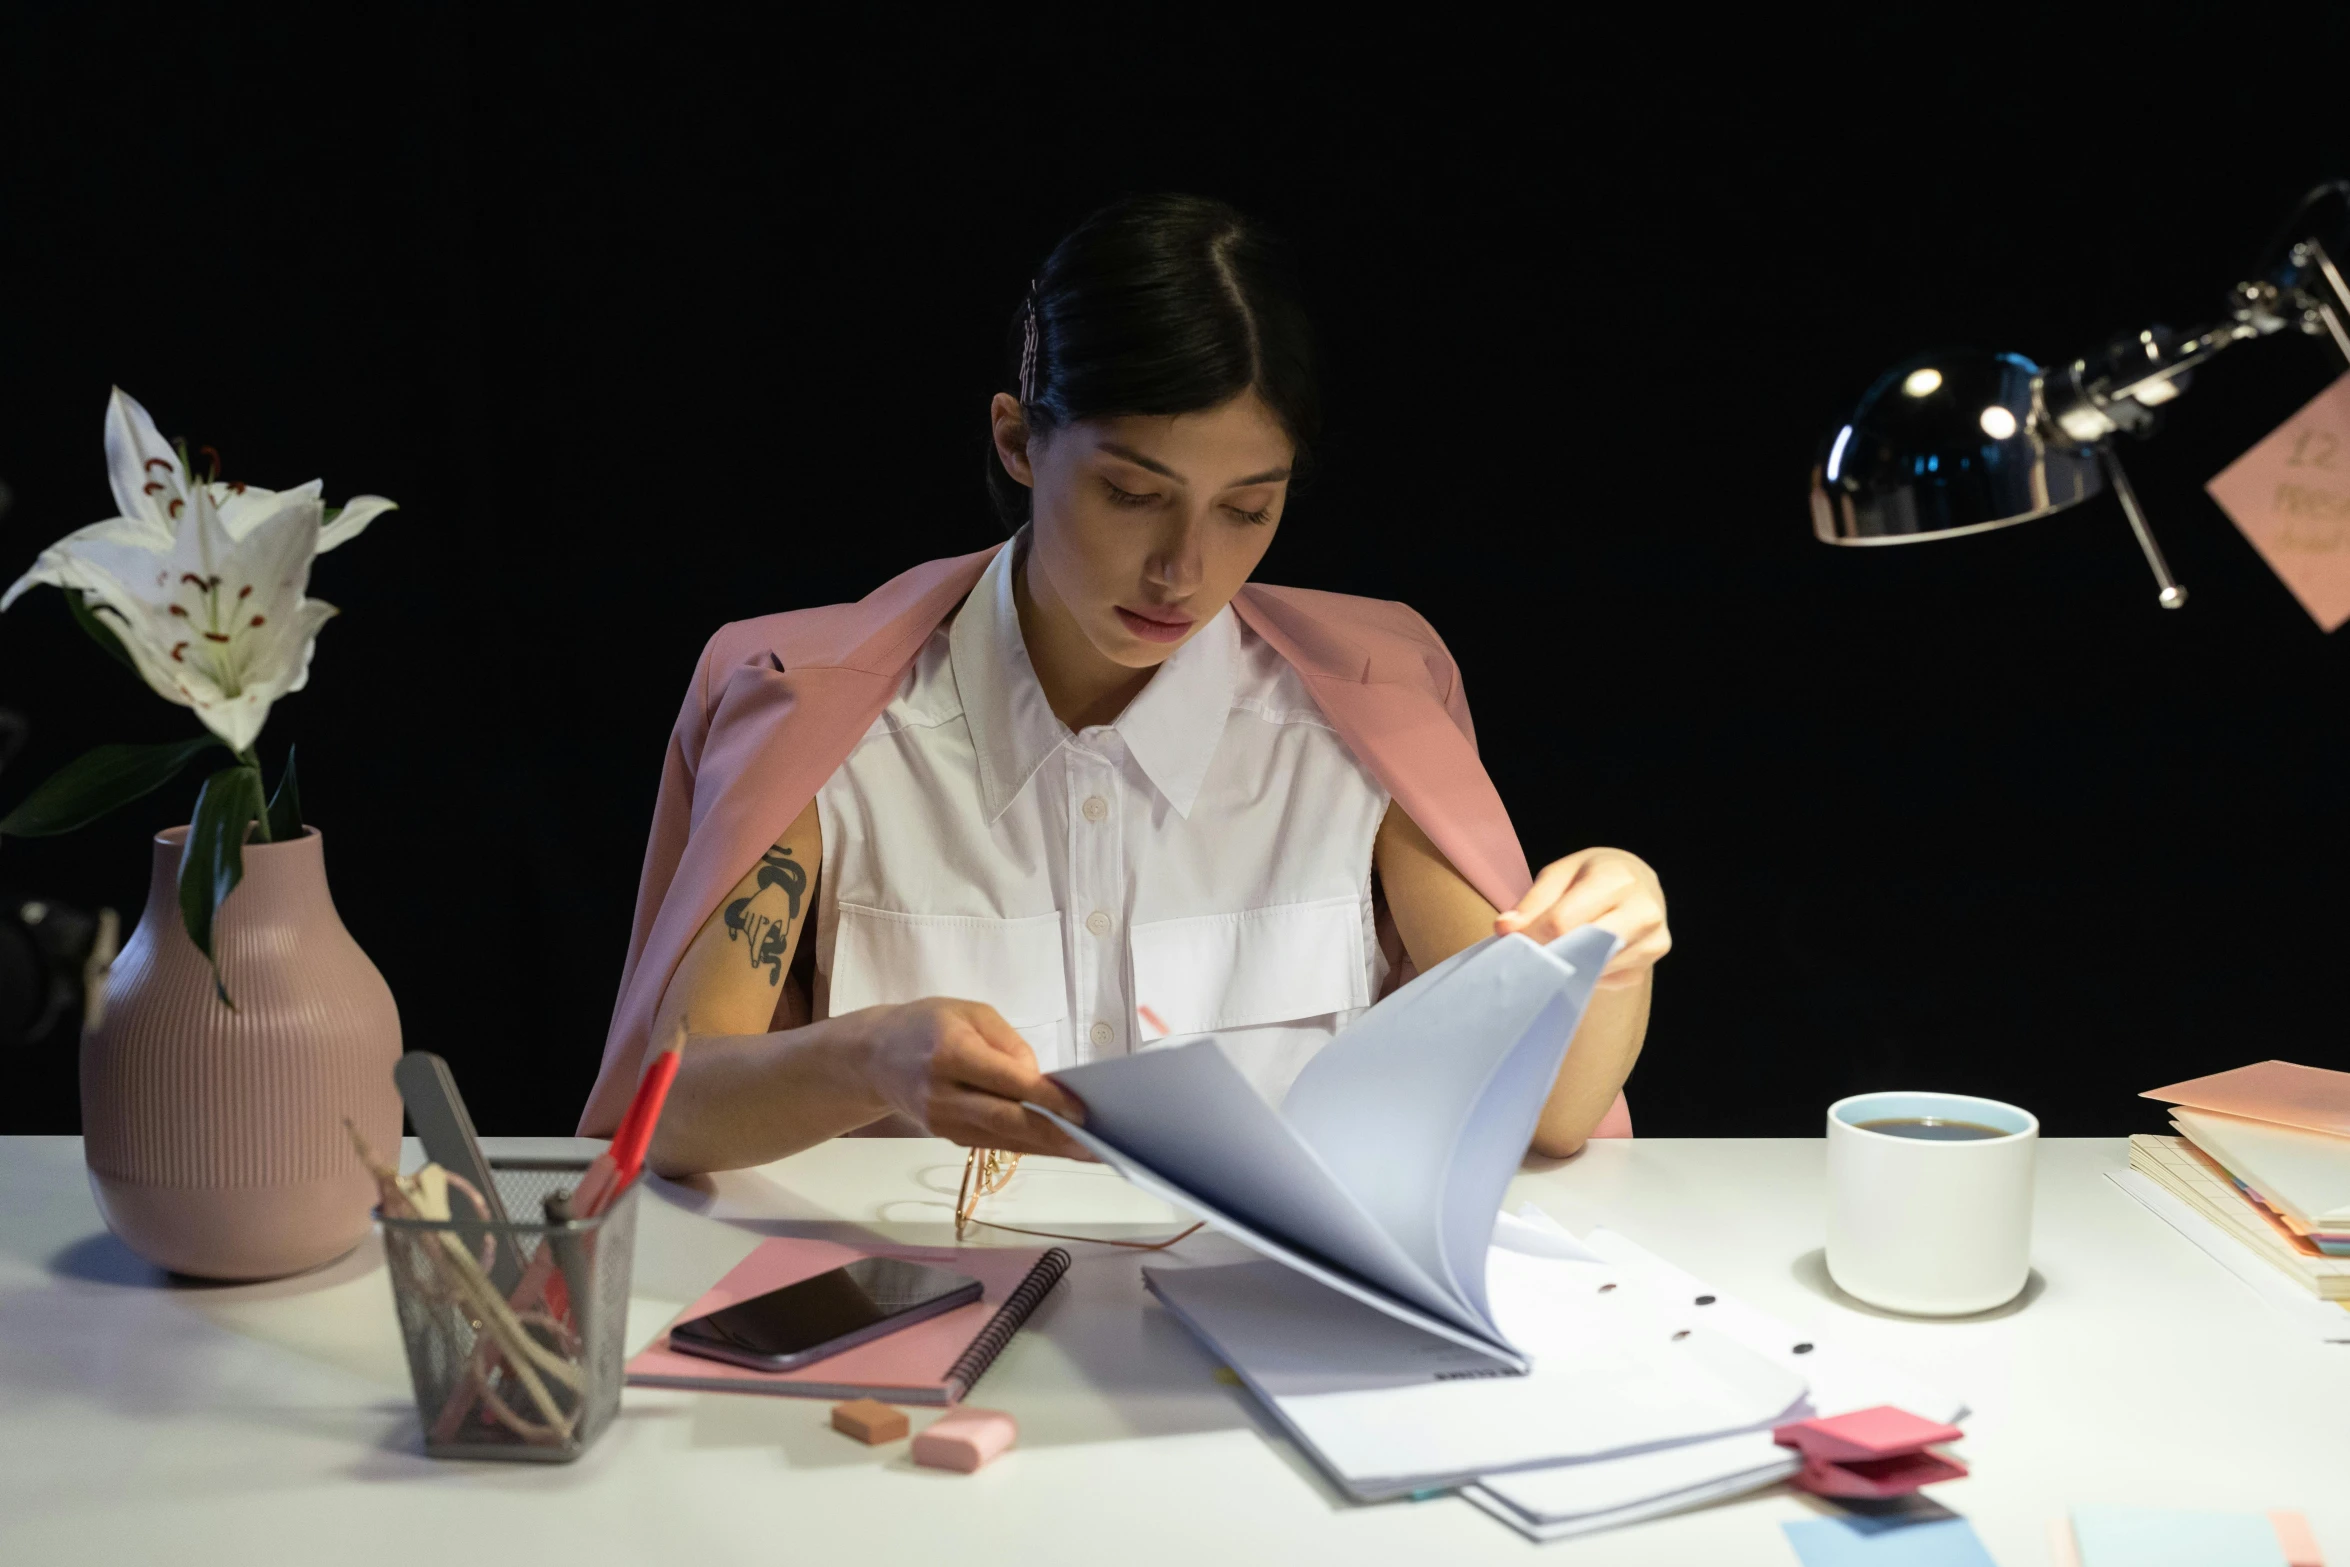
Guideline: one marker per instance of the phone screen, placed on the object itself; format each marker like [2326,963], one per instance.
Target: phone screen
[848,1303]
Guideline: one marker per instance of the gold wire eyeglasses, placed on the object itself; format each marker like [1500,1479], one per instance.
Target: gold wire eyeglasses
[987,1171]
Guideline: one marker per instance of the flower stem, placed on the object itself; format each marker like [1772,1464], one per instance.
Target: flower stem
[252,759]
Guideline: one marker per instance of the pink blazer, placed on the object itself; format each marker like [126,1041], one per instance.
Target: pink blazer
[778,703]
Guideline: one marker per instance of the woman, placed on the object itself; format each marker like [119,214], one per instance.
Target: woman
[1047,803]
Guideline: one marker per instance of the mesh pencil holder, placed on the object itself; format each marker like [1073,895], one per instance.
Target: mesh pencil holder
[514,1330]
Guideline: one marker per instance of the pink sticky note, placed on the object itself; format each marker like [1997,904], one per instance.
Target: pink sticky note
[2310,1097]
[2290,495]
[1895,1476]
[2300,1545]
[1881,1432]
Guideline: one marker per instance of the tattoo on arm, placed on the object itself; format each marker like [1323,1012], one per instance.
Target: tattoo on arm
[763,935]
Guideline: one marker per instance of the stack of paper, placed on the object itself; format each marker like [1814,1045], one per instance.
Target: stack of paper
[1407,1339]
[2264,1152]
[1650,1391]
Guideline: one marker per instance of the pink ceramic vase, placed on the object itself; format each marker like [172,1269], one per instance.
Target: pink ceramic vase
[215,1137]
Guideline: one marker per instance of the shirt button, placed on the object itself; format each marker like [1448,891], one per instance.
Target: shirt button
[1102,1034]
[1098,922]
[1095,808]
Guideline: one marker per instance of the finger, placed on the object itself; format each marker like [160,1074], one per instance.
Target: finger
[982,1120]
[1633,920]
[1634,962]
[1063,1146]
[1554,880]
[1643,952]
[1000,1036]
[1600,891]
[972,1062]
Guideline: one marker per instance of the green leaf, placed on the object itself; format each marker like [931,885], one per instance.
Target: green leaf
[100,632]
[285,806]
[213,861]
[97,782]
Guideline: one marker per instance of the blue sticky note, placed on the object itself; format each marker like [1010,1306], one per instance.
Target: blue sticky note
[1940,1539]
[2161,1537]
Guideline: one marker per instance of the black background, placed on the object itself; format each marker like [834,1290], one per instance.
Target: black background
[648,330]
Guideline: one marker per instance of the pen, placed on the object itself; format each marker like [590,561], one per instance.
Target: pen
[610,1175]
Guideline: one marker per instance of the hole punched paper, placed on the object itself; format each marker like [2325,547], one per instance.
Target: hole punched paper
[1383,1171]
[1392,1331]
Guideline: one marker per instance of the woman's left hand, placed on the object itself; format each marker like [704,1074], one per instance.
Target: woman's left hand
[1604,887]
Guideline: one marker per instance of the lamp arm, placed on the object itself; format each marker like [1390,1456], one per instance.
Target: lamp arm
[2170,595]
[2333,304]
[2119,386]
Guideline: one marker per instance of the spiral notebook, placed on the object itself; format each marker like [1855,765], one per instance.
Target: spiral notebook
[935,1361]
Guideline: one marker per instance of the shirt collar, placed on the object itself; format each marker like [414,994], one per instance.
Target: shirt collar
[1172,728]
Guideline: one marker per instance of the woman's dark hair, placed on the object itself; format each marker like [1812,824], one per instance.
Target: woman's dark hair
[1160,305]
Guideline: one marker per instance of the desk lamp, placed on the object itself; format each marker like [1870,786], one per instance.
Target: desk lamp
[1965,441]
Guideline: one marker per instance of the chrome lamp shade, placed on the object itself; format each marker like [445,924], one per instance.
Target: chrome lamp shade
[1944,444]
[1966,441]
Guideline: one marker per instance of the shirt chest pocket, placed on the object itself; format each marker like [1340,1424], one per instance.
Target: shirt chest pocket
[881,957]
[1288,963]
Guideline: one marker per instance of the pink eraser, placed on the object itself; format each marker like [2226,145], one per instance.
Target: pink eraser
[1865,1433]
[964,1439]
[1878,1477]
[2300,1546]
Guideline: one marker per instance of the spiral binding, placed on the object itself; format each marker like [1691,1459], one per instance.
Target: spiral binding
[1007,1321]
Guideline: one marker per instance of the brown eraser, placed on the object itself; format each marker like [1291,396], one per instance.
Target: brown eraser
[869,1420]
[964,1439]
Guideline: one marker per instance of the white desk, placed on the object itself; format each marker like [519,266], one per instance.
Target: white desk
[274,1423]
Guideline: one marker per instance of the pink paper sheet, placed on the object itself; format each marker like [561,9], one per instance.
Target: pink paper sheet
[2290,495]
[2305,1096]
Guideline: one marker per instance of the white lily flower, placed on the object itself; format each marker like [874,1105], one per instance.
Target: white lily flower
[215,621]
[147,477]
[203,582]
[152,491]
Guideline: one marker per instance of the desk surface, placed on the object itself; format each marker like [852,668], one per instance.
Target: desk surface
[273,1422]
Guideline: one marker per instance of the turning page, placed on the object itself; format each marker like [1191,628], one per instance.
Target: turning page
[1383,1173]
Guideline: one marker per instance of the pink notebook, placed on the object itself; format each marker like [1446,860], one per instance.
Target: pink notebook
[932,1362]
[2309,1097]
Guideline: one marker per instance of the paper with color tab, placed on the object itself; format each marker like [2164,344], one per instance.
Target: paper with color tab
[2167,1537]
[1931,1537]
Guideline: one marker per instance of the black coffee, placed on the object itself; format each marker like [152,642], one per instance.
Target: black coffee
[1932,1129]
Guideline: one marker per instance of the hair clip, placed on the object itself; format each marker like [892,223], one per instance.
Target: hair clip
[1028,349]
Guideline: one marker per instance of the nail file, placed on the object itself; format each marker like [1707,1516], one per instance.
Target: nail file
[438,1112]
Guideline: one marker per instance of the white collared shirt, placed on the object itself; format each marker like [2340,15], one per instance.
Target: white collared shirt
[1207,856]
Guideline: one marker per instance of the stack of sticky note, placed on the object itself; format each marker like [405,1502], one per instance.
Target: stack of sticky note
[2264,1152]
[2167,1537]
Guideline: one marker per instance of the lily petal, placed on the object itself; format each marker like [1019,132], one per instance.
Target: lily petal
[352,520]
[54,566]
[241,509]
[137,455]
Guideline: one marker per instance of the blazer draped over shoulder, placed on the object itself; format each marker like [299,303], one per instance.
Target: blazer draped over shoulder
[777,704]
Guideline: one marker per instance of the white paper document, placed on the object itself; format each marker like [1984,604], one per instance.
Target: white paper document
[1572,1499]
[1642,1400]
[1388,1410]
[1381,1174]
[2324,1320]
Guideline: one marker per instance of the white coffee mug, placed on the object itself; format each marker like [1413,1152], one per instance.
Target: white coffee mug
[1930,1228]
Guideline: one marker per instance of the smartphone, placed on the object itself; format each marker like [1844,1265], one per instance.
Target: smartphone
[802,1323]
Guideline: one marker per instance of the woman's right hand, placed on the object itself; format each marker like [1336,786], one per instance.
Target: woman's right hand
[957,1069]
